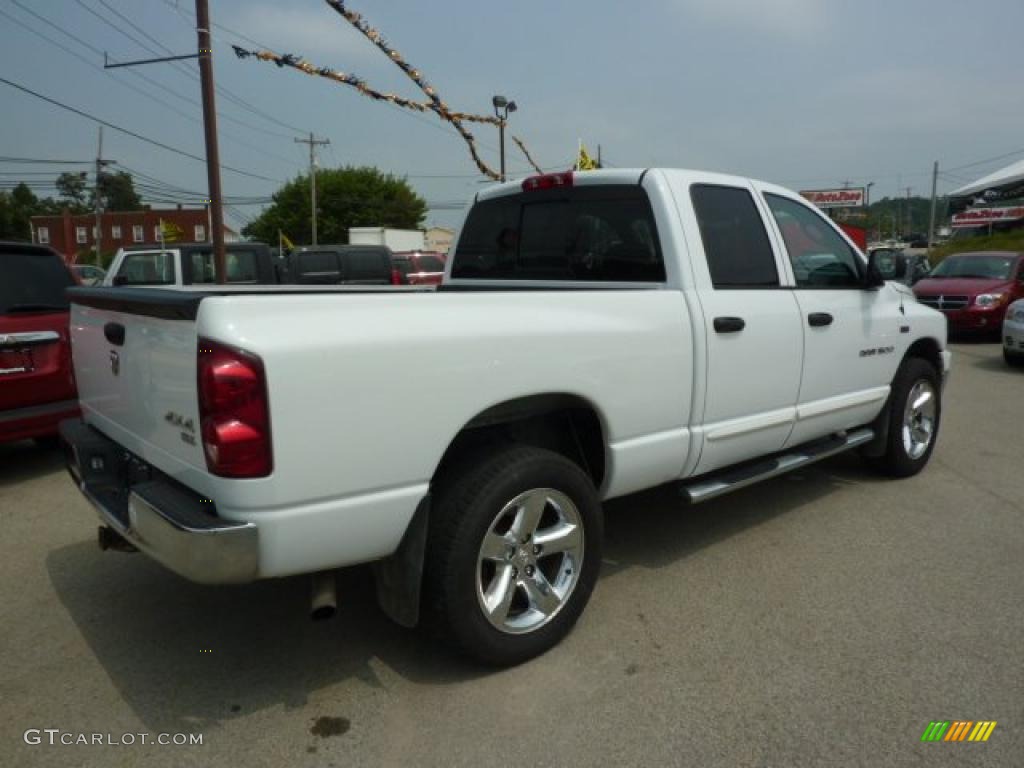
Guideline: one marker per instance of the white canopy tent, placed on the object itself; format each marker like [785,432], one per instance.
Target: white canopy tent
[1011,174]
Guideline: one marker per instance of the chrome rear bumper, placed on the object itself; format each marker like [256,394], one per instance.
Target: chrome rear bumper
[167,521]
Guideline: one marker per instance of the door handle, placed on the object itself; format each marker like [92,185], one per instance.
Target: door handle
[114,333]
[818,319]
[729,324]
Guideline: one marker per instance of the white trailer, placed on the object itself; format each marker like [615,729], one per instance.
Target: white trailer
[395,239]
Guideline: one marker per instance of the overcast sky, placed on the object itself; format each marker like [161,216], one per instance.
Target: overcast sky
[807,93]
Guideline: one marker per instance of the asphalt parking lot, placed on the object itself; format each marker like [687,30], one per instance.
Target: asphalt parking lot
[819,619]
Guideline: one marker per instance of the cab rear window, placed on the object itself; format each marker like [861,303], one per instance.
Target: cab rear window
[240,267]
[603,234]
[147,268]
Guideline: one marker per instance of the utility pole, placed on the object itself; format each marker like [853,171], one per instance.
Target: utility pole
[313,142]
[215,210]
[931,221]
[599,156]
[210,129]
[98,200]
[909,215]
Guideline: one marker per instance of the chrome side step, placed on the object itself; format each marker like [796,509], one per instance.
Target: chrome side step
[733,479]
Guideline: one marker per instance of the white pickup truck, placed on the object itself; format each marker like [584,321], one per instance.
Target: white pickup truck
[595,334]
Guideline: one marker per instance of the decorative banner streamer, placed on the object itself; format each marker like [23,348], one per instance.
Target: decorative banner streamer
[375,37]
[529,159]
[455,118]
[434,103]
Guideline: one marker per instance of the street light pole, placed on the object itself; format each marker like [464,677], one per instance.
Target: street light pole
[502,107]
[501,146]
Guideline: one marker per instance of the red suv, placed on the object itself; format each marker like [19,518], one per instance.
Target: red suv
[973,290]
[37,385]
[417,268]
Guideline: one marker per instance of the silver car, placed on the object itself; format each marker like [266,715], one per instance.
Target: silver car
[1013,334]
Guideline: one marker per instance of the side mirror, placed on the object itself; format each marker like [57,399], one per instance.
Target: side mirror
[900,268]
[120,280]
[873,279]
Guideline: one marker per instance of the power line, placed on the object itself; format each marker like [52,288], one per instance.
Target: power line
[43,160]
[986,161]
[190,20]
[130,86]
[131,133]
[181,68]
[146,94]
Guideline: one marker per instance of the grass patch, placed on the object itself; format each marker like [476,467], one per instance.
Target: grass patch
[1000,241]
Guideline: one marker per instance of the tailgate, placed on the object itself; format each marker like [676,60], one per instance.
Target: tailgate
[135,362]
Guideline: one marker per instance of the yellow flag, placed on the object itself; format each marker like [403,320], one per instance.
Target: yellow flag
[170,231]
[585,162]
[285,241]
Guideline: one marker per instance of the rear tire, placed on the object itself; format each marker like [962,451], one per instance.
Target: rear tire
[513,553]
[914,414]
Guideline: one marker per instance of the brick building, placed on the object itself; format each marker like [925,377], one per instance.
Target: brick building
[72,235]
[438,239]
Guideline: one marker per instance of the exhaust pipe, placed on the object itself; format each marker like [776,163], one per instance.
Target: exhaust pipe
[325,596]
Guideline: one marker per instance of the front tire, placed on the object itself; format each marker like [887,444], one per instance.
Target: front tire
[1012,359]
[514,551]
[914,414]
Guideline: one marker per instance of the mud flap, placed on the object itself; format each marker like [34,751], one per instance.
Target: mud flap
[400,576]
[879,444]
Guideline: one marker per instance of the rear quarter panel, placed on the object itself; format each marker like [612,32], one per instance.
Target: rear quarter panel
[342,371]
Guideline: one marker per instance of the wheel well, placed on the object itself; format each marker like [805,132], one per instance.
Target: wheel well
[565,424]
[927,349]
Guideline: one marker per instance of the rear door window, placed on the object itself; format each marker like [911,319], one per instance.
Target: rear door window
[32,281]
[147,268]
[368,265]
[318,266]
[604,234]
[736,243]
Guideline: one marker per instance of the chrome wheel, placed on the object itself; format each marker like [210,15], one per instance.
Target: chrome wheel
[530,560]
[919,419]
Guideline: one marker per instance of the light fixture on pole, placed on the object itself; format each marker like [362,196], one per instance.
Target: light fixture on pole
[502,108]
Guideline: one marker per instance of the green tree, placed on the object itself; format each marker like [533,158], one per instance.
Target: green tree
[117,190]
[18,207]
[346,197]
[73,191]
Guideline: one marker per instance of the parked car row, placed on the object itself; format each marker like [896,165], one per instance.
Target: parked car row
[901,266]
[363,265]
[37,383]
[977,292]
[192,264]
[974,290]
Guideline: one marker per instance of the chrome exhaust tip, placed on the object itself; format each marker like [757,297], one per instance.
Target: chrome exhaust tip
[325,596]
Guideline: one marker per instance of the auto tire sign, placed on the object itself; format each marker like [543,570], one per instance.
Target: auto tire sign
[836,198]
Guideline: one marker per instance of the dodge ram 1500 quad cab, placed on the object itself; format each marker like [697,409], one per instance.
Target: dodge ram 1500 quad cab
[595,334]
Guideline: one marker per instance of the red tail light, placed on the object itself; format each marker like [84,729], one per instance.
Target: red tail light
[396,276]
[234,412]
[548,181]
